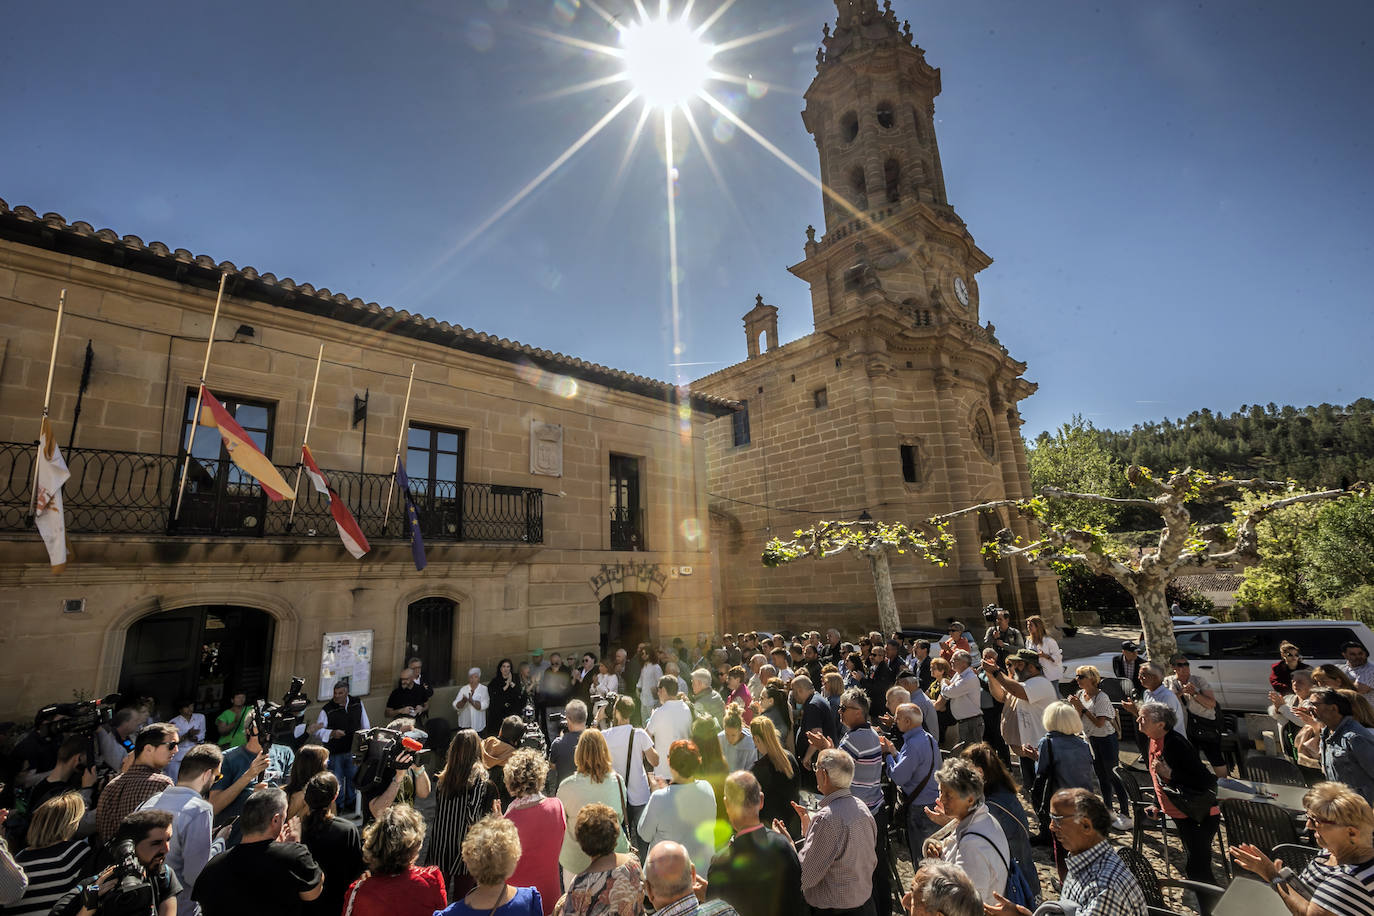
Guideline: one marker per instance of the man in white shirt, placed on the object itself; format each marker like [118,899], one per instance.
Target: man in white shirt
[193,842]
[630,747]
[1358,666]
[1030,693]
[962,695]
[1152,680]
[472,701]
[671,721]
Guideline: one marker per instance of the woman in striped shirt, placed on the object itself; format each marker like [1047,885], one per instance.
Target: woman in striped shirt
[1342,882]
[54,861]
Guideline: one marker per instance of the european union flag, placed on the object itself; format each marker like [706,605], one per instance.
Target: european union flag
[417,543]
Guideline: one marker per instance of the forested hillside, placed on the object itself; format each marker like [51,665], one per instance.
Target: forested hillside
[1326,446]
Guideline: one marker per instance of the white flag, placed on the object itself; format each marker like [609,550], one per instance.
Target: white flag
[52,474]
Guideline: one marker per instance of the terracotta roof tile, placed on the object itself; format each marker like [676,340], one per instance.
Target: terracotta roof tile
[353,310]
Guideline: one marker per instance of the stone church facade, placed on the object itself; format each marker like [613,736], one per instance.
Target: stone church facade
[901,403]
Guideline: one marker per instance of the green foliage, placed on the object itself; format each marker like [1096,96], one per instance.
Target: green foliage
[1361,601]
[1323,446]
[1311,557]
[1339,551]
[1075,459]
[828,538]
[1080,589]
[1190,600]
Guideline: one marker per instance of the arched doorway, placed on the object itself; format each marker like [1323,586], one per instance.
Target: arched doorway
[209,652]
[626,619]
[429,637]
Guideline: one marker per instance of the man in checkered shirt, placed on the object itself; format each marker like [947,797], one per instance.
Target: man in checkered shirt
[154,748]
[1098,882]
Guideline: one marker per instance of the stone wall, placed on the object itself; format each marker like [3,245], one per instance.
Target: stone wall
[148,334]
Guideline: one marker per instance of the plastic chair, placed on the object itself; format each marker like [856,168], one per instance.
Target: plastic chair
[1278,770]
[1234,749]
[1258,823]
[1296,857]
[1153,886]
[1139,799]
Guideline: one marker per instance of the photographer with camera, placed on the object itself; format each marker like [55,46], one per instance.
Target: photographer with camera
[392,750]
[73,772]
[154,748]
[243,769]
[269,872]
[139,881]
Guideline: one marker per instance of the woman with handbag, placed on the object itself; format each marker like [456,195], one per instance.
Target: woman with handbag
[1063,760]
[596,782]
[1204,725]
[1185,786]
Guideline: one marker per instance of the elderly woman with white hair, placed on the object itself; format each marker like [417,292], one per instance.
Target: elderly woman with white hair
[472,701]
[1181,780]
[1063,760]
[977,844]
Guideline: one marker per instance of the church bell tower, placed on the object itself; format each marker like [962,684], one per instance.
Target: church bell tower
[894,255]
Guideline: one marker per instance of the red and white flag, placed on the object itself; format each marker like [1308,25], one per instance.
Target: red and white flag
[349,532]
[47,513]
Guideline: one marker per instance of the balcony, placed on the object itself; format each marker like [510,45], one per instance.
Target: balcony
[627,529]
[112,492]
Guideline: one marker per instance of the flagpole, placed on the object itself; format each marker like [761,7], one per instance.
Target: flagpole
[395,463]
[309,416]
[47,391]
[200,394]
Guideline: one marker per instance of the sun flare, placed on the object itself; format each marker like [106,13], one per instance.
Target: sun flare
[667,64]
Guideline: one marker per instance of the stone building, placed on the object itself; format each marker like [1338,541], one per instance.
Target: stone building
[562,503]
[901,403]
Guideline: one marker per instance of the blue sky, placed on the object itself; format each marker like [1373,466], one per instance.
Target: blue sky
[1178,196]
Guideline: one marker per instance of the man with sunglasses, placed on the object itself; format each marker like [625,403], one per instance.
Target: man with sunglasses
[154,748]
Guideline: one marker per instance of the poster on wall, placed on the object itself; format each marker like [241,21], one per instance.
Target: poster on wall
[346,655]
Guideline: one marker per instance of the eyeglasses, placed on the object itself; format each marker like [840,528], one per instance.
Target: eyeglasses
[1080,677]
[1319,822]
[1057,818]
[1292,654]
[172,745]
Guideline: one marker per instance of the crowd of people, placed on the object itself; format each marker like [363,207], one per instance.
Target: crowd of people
[750,774]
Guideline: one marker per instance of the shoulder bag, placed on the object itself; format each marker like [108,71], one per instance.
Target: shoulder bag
[1018,888]
[903,799]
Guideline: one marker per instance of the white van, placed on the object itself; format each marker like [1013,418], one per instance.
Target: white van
[1236,658]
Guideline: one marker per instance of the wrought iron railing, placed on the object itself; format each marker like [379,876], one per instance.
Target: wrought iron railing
[627,529]
[115,492]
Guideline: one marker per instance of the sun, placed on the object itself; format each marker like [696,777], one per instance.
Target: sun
[665,61]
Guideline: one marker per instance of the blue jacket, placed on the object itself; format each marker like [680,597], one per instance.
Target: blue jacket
[1348,756]
[918,756]
[1065,762]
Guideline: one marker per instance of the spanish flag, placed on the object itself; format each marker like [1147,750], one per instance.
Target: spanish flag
[352,536]
[47,514]
[242,451]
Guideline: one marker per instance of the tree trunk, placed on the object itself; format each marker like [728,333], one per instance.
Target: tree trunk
[1153,606]
[888,621]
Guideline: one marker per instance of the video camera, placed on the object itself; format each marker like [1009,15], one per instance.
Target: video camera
[81,718]
[132,894]
[278,721]
[379,751]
